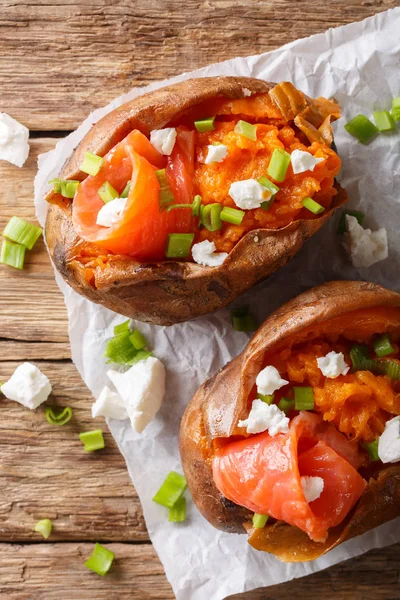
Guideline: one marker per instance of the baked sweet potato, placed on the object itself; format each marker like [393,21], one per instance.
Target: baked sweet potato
[335,314]
[163,291]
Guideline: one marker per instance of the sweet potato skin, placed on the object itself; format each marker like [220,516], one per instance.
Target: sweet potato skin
[221,401]
[169,292]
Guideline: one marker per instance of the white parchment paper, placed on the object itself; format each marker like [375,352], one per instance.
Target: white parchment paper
[359,65]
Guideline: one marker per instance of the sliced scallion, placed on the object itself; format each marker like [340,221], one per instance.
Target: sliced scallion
[137,339]
[244,323]
[19,231]
[165,195]
[177,514]
[12,254]
[171,490]
[383,345]
[44,527]
[92,440]
[246,130]
[361,128]
[342,228]
[196,205]
[211,216]
[119,349]
[286,404]
[179,244]
[91,163]
[122,327]
[107,192]
[232,215]
[69,187]
[384,120]
[60,418]
[279,164]
[259,521]
[396,109]
[265,182]
[303,398]
[266,398]
[372,449]
[362,362]
[125,191]
[205,124]
[140,355]
[100,560]
[312,206]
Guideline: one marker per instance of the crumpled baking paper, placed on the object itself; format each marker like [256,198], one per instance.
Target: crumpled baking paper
[359,65]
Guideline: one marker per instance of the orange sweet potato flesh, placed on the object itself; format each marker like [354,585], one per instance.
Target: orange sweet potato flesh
[169,291]
[356,310]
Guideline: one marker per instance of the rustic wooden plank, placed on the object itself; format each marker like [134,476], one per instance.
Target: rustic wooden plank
[21,350]
[71,57]
[44,471]
[46,571]
[32,306]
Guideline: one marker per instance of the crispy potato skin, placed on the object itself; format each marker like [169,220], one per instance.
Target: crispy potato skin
[221,401]
[169,292]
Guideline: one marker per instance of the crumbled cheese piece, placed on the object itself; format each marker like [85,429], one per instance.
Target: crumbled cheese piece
[389,442]
[365,247]
[312,487]
[249,193]
[332,365]
[111,212]
[216,153]
[256,238]
[109,404]
[14,147]
[265,416]
[163,140]
[142,390]
[269,381]
[247,92]
[303,161]
[28,386]
[204,254]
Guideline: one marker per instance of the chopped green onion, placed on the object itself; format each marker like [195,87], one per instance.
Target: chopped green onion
[126,190]
[179,244]
[44,527]
[61,418]
[196,205]
[361,128]
[122,327]
[12,254]
[119,349]
[391,368]
[361,362]
[173,206]
[396,109]
[246,323]
[286,404]
[211,216]
[19,231]
[312,206]
[171,490]
[140,355]
[165,194]
[259,521]
[205,125]
[177,514]
[303,398]
[91,163]
[342,228]
[100,560]
[56,183]
[246,130]
[69,187]
[266,398]
[279,164]
[107,192]
[384,120]
[271,187]
[232,215]
[382,345]
[137,339]
[92,440]
[372,449]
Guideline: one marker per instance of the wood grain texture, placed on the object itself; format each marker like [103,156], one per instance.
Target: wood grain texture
[71,57]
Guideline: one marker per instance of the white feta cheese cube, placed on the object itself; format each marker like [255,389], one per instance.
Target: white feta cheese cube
[263,417]
[14,146]
[332,365]
[303,161]
[142,390]
[248,194]
[28,386]
[365,247]
[312,487]
[163,140]
[111,212]
[216,153]
[109,404]
[269,381]
[389,442]
[204,254]
[247,92]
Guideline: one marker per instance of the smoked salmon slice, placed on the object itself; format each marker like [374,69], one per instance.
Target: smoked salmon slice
[262,473]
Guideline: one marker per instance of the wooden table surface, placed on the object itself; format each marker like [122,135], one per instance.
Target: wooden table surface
[60,59]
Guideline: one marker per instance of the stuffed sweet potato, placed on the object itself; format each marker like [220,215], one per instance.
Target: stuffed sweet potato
[296,440]
[180,200]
